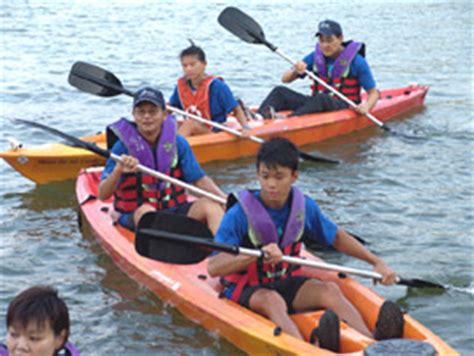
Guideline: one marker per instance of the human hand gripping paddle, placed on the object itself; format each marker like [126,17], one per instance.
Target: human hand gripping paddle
[95,80]
[179,242]
[248,30]
[165,237]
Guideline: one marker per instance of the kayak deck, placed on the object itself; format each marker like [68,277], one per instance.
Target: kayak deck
[190,289]
[57,162]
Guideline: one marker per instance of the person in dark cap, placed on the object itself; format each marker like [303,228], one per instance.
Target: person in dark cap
[340,64]
[152,141]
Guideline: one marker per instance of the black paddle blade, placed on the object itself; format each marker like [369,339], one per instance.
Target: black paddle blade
[94,80]
[420,283]
[74,140]
[243,26]
[162,237]
[318,157]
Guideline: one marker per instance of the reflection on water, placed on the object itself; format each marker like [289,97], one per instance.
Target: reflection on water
[412,201]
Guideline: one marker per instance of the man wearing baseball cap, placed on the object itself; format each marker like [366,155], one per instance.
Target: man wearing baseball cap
[152,141]
[340,64]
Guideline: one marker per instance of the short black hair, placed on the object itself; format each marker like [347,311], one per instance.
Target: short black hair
[278,151]
[40,304]
[193,50]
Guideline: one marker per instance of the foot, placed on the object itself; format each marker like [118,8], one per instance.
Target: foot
[390,322]
[327,333]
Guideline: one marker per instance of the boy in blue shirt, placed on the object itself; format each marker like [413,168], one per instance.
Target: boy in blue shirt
[203,95]
[337,63]
[278,218]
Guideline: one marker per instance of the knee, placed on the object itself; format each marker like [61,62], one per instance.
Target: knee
[279,89]
[141,210]
[332,293]
[268,302]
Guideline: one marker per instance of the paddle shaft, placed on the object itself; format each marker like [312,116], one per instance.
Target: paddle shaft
[236,250]
[114,84]
[327,86]
[172,180]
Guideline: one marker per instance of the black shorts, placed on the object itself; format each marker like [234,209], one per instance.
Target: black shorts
[181,209]
[287,288]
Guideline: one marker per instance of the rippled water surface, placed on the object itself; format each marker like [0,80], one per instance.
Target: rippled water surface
[412,200]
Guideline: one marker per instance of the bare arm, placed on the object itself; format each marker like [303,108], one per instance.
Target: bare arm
[108,186]
[372,98]
[240,115]
[348,245]
[294,72]
[207,184]
[224,264]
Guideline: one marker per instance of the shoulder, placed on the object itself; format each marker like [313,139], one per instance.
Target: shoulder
[311,206]
[218,83]
[182,144]
[119,148]
[360,62]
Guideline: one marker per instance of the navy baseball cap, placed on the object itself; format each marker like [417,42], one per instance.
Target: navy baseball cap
[150,95]
[329,28]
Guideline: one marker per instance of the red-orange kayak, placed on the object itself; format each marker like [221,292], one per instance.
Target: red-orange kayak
[190,289]
[56,161]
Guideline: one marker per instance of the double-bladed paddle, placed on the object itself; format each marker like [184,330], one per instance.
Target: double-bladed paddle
[95,80]
[90,146]
[247,29]
[166,237]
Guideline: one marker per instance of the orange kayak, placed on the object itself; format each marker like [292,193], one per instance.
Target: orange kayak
[190,289]
[57,162]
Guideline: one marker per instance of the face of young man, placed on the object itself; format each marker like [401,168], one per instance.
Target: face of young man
[34,340]
[149,118]
[193,68]
[331,46]
[275,184]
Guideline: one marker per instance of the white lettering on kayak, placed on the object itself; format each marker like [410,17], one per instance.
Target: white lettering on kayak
[165,279]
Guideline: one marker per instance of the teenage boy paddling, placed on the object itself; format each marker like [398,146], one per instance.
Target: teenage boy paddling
[153,142]
[277,219]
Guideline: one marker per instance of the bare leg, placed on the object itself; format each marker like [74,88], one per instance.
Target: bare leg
[317,294]
[193,128]
[271,305]
[208,212]
[142,210]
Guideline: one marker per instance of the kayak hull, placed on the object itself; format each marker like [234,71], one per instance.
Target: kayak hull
[190,289]
[57,162]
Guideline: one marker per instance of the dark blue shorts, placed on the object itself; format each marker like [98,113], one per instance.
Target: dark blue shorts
[126,220]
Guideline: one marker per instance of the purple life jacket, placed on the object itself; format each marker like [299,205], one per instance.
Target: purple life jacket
[262,230]
[341,64]
[138,147]
[68,350]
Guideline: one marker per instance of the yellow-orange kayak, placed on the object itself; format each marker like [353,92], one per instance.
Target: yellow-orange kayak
[57,162]
[190,289]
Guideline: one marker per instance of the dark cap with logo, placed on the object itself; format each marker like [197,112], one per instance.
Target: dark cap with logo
[150,95]
[329,28]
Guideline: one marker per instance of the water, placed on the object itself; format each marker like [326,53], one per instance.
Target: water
[412,200]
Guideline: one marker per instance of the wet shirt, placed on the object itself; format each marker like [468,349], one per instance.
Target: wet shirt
[318,228]
[222,101]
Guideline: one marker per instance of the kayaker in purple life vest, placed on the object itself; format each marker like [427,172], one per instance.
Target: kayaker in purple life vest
[278,218]
[38,325]
[204,95]
[340,64]
[152,140]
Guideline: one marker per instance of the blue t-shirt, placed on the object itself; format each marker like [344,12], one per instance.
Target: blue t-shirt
[234,225]
[359,69]
[222,101]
